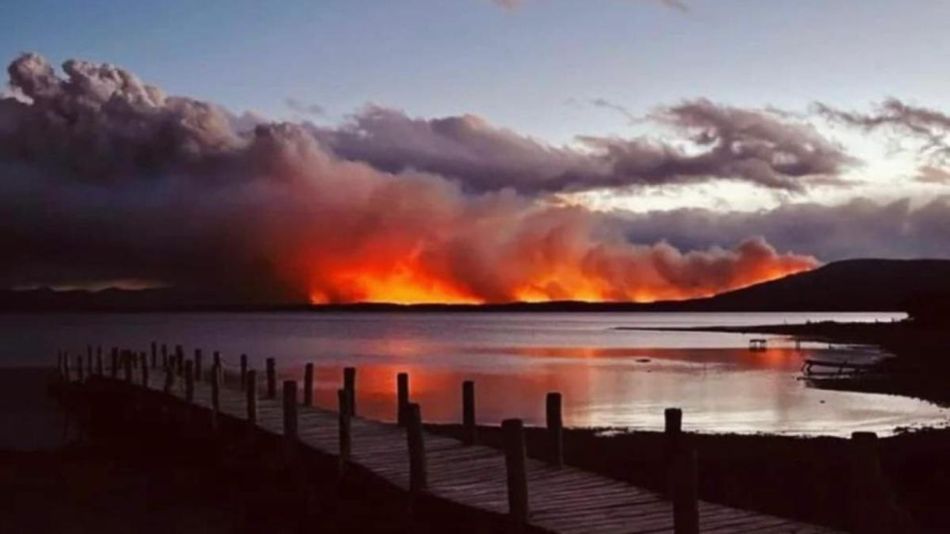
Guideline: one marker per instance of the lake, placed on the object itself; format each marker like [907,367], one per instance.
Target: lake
[608,377]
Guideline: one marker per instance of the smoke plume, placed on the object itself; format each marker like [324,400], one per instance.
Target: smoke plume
[104,177]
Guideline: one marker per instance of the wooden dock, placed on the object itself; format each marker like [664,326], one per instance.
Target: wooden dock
[541,495]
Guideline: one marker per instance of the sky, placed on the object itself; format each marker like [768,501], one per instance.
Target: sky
[828,117]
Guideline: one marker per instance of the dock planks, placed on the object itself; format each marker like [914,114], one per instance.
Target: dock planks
[563,499]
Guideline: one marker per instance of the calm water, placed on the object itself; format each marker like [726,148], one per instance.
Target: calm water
[608,376]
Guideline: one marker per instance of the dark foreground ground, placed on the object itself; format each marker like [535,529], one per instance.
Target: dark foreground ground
[125,475]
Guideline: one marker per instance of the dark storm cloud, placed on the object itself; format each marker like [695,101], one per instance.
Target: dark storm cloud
[753,146]
[859,228]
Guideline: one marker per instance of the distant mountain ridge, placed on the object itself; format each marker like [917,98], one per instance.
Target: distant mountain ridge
[848,285]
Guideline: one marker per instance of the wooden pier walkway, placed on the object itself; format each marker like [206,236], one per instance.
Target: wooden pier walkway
[541,494]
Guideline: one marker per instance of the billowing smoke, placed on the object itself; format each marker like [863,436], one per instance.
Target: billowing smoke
[753,146]
[103,177]
[895,229]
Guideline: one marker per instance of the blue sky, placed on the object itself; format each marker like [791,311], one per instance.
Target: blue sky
[532,68]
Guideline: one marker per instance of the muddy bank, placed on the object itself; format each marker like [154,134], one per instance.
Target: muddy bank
[800,478]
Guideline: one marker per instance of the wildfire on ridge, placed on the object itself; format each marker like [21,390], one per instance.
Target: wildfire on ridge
[410,282]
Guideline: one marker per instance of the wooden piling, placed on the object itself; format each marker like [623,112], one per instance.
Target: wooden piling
[154,354]
[215,361]
[243,372]
[308,384]
[145,368]
[402,397]
[673,428]
[349,384]
[346,440]
[685,492]
[271,378]
[215,379]
[198,373]
[127,366]
[164,355]
[79,369]
[169,380]
[99,362]
[469,430]
[290,411]
[418,479]
[189,381]
[250,391]
[513,434]
[179,360]
[114,370]
[555,429]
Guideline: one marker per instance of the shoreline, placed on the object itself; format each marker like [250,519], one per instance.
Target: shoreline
[919,368]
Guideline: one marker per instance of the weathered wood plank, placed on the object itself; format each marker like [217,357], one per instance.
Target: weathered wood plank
[560,499]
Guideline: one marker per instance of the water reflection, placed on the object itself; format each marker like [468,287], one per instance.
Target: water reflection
[608,377]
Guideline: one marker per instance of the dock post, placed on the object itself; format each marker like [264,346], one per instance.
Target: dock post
[349,384]
[215,389]
[144,373]
[685,492]
[189,381]
[672,427]
[513,434]
[99,361]
[402,397]
[418,480]
[250,391]
[469,431]
[346,440]
[198,374]
[308,384]
[79,369]
[271,379]
[179,360]
[555,428]
[127,365]
[290,416]
[243,372]
[154,355]
[215,361]
[164,355]
[114,370]
[169,380]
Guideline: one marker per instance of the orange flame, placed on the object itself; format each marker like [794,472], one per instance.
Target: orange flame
[409,280]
